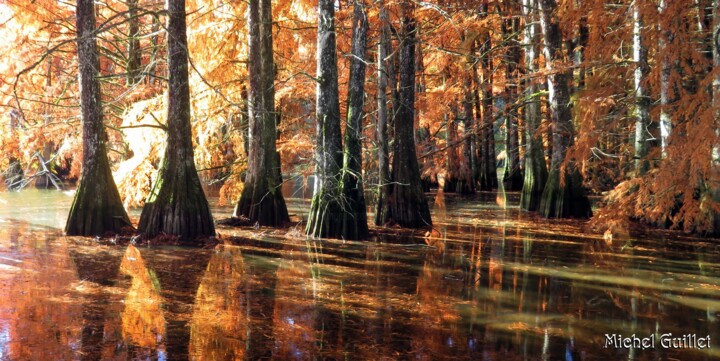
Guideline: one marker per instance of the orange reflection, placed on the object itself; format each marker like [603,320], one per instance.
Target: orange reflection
[501,197]
[436,334]
[219,324]
[295,314]
[440,209]
[143,323]
[495,264]
[40,311]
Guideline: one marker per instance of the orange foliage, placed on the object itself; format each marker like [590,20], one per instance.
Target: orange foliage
[39,91]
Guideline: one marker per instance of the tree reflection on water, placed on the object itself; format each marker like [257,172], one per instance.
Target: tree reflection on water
[40,318]
[485,283]
[219,328]
[143,320]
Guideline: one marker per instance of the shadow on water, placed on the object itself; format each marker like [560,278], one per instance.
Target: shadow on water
[488,282]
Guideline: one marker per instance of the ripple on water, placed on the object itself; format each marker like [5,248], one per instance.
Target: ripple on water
[486,282]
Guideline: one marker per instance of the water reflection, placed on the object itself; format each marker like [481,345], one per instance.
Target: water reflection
[40,313]
[436,331]
[143,320]
[488,283]
[219,326]
[295,315]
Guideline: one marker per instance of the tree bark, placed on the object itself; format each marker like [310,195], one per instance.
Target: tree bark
[716,108]
[535,167]
[245,120]
[355,214]
[134,55]
[512,178]
[488,177]
[48,146]
[261,200]
[479,139]
[466,179]
[97,207]
[382,118]
[452,162]
[323,220]
[563,196]
[488,169]
[407,205]
[155,40]
[667,96]
[716,59]
[642,101]
[177,204]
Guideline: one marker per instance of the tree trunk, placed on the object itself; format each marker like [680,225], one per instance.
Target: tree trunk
[392,73]
[716,58]
[382,118]
[272,116]
[177,204]
[564,195]
[535,167]
[422,138]
[512,178]
[466,179]
[48,146]
[642,101]
[407,205]
[488,167]
[155,40]
[261,200]
[667,96]
[716,107]
[323,220]
[546,123]
[479,139]
[97,207]
[134,55]
[355,214]
[452,163]
[488,177]
[245,120]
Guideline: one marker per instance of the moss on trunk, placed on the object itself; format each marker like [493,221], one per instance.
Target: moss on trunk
[355,213]
[97,207]
[561,198]
[407,204]
[535,178]
[535,167]
[565,199]
[383,66]
[325,218]
[177,204]
[261,200]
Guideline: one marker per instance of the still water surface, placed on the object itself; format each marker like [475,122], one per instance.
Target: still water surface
[487,283]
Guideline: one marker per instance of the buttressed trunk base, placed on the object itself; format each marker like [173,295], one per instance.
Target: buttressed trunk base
[177,205]
[97,207]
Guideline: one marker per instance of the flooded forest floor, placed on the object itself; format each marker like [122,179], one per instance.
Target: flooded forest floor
[488,282]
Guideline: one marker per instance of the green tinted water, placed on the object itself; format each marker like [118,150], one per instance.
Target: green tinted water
[487,283]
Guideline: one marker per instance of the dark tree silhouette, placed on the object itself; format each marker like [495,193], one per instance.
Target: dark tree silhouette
[407,204]
[535,167]
[97,207]
[261,200]
[177,204]
[355,213]
[325,219]
[562,198]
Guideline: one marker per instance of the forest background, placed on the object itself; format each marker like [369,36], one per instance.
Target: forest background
[619,99]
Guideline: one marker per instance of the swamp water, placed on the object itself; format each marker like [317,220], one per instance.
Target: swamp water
[487,283]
